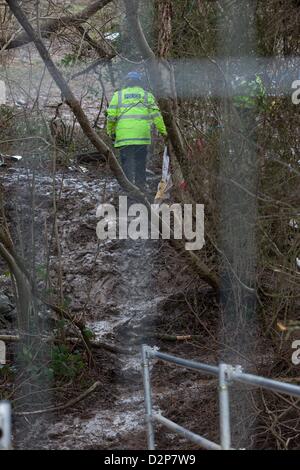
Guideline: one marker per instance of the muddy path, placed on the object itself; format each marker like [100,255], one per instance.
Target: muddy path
[121,288]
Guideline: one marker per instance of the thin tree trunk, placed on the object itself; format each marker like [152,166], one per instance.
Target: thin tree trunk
[73,102]
[75,106]
[165,13]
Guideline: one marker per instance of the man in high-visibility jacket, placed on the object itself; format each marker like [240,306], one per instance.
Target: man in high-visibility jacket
[130,117]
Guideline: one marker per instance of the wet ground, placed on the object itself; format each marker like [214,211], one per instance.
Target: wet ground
[125,291]
[118,287]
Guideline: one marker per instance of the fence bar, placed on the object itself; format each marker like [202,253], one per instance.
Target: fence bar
[5,425]
[148,398]
[226,375]
[269,384]
[205,443]
[184,362]
[224,408]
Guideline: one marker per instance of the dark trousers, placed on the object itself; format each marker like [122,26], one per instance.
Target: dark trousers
[133,161]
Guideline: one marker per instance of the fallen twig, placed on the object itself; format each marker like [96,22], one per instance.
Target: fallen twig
[102,345]
[165,337]
[72,402]
[92,344]
[9,338]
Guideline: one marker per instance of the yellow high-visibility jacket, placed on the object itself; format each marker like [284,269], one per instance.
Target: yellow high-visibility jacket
[131,114]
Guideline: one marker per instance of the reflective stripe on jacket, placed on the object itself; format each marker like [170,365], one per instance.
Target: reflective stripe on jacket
[131,114]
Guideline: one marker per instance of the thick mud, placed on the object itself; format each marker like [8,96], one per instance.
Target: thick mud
[119,287]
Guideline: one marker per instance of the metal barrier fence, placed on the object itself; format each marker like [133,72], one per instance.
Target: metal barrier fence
[226,374]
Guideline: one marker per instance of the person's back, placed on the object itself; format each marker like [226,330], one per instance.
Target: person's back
[131,114]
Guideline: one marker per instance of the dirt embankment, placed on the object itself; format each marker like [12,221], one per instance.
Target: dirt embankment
[127,292]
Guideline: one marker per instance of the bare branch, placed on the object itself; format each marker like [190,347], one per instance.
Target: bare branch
[53,25]
[70,403]
[74,103]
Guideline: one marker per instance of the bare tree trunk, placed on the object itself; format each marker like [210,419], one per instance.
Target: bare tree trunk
[74,104]
[24,299]
[165,13]
[161,78]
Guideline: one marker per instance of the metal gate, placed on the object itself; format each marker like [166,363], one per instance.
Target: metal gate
[226,374]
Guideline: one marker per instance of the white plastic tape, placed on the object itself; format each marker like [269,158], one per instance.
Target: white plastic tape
[166,165]
[5,425]
[2,92]
[2,353]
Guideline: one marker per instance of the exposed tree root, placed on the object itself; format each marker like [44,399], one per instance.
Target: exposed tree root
[70,403]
